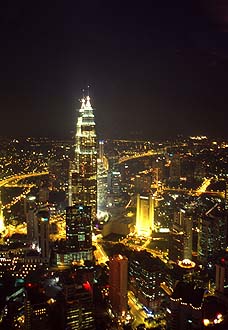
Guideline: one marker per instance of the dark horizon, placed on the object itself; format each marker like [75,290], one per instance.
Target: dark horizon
[156,69]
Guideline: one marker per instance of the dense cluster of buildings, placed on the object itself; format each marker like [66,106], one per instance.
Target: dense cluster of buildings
[161,208]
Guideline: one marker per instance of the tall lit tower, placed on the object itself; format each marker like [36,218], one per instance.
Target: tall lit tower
[83,171]
[145,215]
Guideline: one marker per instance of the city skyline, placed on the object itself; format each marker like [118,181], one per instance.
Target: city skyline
[155,70]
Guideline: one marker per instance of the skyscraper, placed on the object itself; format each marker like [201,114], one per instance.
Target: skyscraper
[83,170]
[42,216]
[180,236]
[118,279]
[79,232]
[145,215]
[212,234]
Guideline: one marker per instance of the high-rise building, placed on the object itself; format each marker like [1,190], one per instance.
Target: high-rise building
[180,236]
[83,169]
[78,307]
[221,274]
[175,168]
[145,215]
[79,232]
[185,310]
[30,210]
[42,231]
[114,187]
[102,172]
[212,237]
[226,196]
[118,279]
[145,277]
[101,150]
[43,194]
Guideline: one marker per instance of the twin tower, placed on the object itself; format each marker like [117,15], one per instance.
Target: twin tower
[83,169]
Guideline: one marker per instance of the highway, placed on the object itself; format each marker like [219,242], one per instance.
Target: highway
[18,177]
[12,181]
[139,155]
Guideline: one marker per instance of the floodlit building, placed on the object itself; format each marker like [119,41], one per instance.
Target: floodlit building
[83,169]
[145,215]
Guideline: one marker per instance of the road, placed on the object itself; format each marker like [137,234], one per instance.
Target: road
[139,155]
[136,310]
[17,177]
[99,253]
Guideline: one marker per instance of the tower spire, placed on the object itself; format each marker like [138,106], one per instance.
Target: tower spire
[88,104]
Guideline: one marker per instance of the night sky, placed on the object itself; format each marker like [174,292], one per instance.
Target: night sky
[155,68]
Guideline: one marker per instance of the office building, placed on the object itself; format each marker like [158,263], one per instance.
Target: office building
[30,209]
[180,236]
[41,233]
[145,277]
[212,237]
[79,232]
[185,310]
[79,310]
[145,215]
[118,281]
[221,274]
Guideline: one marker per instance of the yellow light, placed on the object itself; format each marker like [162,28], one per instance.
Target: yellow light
[206,322]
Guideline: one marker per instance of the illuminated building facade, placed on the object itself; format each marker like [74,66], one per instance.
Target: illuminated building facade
[185,310]
[79,309]
[30,209]
[42,231]
[212,234]
[180,237]
[83,170]
[102,172]
[36,315]
[145,276]
[118,280]
[145,215]
[221,275]
[226,196]
[114,187]
[79,232]
[101,150]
